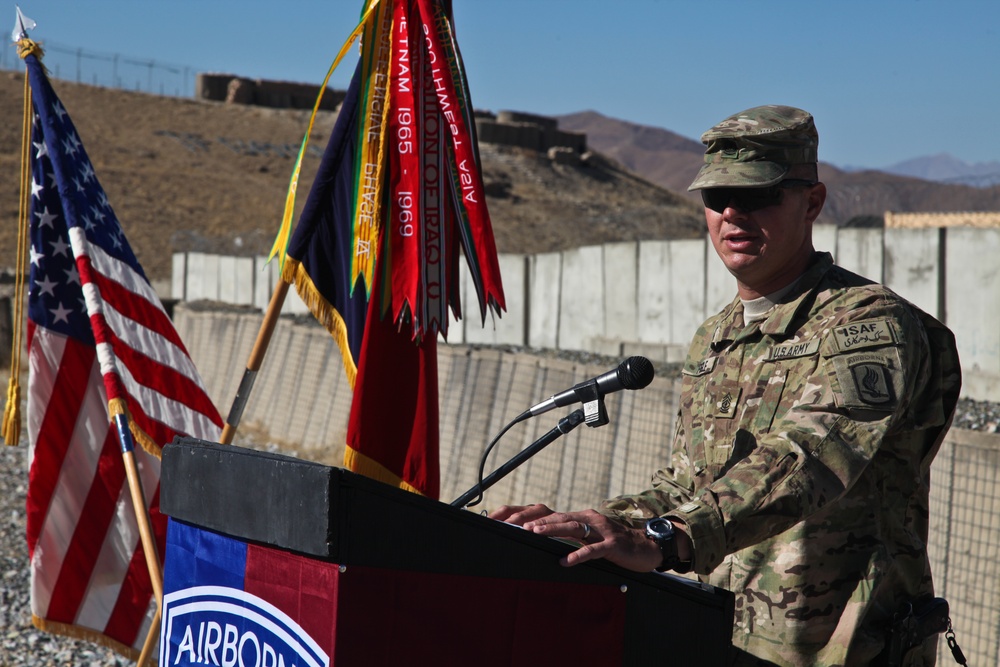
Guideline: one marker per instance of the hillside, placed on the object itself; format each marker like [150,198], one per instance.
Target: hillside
[188,175]
[191,175]
[672,161]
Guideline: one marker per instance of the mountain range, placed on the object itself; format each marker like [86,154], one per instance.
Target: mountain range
[946,168]
[937,183]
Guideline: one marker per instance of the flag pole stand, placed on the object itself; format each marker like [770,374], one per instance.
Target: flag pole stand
[145,530]
[254,363]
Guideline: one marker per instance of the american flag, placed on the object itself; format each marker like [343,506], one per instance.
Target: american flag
[99,344]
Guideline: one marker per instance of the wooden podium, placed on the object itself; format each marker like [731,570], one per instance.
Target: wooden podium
[416,581]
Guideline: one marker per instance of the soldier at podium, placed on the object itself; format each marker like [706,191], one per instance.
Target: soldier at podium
[811,409]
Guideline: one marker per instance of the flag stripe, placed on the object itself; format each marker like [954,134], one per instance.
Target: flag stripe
[187,397]
[157,331]
[120,285]
[139,340]
[159,433]
[106,296]
[135,591]
[170,412]
[71,373]
[88,537]
[75,470]
[136,587]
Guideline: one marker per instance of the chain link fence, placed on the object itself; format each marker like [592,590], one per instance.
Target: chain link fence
[109,70]
[965,542]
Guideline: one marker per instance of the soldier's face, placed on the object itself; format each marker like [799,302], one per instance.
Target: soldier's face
[769,247]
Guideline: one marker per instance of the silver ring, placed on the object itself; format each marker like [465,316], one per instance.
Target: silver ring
[586,531]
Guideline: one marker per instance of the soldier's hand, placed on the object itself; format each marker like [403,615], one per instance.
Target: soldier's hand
[600,536]
[519,514]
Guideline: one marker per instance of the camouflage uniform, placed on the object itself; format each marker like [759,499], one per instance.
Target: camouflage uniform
[801,463]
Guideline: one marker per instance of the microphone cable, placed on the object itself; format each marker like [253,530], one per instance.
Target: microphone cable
[489,448]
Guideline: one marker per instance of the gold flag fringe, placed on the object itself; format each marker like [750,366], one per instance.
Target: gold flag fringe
[357,462]
[294,273]
[117,406]
[85,634]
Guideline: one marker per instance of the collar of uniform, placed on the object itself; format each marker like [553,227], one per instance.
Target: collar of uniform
[729,325]
[783,320]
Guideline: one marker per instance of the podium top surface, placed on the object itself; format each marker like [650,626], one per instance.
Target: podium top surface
[339,516]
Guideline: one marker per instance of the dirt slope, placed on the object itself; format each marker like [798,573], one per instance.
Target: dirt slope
[187,175]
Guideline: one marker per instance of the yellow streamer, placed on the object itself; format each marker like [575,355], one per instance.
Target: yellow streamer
[370,160]
[280,246]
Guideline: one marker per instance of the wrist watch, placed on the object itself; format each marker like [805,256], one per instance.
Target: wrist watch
[661,531]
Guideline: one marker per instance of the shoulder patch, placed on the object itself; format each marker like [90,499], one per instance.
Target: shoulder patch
[703,367]
[790,350]
[869,380]
[859,335]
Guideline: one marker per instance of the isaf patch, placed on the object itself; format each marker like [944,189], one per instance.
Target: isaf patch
[861,335]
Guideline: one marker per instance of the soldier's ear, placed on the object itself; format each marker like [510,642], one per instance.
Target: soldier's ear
[815,201]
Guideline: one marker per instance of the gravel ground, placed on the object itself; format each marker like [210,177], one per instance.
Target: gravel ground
[21,644]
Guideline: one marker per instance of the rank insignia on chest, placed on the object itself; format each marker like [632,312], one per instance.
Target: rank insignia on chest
[726,402]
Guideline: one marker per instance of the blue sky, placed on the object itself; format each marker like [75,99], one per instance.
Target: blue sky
[887,80]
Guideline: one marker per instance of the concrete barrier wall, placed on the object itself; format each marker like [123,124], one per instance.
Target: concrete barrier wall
[971,304]
[649,297]
[302,399]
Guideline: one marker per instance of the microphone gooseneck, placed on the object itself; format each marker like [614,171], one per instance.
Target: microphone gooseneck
[633,373]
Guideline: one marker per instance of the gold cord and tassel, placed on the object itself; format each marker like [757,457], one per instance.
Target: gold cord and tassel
[10,428]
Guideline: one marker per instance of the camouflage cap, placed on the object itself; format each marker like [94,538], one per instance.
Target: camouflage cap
[759,147]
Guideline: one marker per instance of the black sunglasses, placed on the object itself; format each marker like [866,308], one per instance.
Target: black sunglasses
[748,199]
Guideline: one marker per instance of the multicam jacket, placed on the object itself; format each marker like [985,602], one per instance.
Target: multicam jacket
[801,461]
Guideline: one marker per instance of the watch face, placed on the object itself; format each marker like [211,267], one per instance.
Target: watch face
[659,528]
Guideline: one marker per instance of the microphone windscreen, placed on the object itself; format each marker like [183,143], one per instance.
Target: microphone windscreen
[636,372]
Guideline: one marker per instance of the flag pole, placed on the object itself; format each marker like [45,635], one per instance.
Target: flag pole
[139,503]
[254,362]
[145,529]
[147,648]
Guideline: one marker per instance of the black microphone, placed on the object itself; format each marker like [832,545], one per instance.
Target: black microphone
[633,373]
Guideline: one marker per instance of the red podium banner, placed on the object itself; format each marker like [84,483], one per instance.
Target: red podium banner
[275,558]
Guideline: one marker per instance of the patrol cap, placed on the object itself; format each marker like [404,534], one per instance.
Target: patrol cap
[759,147]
